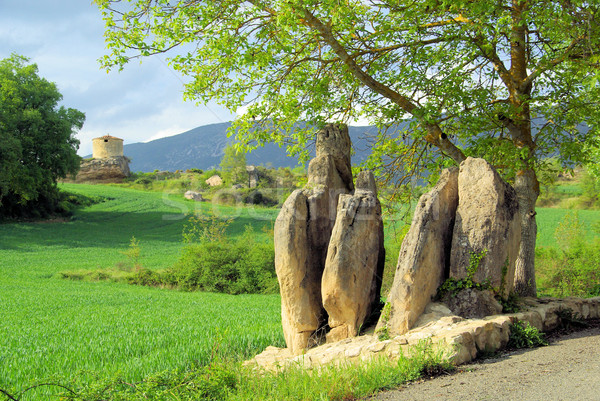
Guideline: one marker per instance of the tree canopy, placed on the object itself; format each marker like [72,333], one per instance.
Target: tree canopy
[37,142]
[233,165]
[510,80]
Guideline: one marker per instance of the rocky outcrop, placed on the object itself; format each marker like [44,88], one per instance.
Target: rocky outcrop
[424,255]
[461,340]
[471,213]
[106,170]
[487,223]
[302,232]
[214,181]
[355,260]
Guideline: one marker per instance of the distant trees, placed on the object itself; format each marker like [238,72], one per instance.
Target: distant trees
[37,142]
[507,80]
[233,165]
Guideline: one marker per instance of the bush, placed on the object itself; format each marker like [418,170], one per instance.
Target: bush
[574,269]
[145,276]
[233,267]
[256,197]
[523,335]
[144,181]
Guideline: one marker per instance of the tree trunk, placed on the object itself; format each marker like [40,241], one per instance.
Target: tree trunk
[527,188]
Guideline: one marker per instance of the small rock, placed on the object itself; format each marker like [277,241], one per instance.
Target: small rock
[214,181]
[193,195]
[471,303]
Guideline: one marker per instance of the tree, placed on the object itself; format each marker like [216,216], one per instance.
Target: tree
[233,165]
[508,80]
[37,142]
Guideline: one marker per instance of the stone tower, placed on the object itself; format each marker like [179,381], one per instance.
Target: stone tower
[107,146]
[108,163]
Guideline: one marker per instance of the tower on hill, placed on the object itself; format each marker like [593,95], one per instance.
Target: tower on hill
[108,164]
[107,146]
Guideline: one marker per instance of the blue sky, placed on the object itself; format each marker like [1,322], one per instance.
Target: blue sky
[65,39]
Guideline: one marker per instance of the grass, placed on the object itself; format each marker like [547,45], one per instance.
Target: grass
[227,381]
[548,220]
[54,327]
[89,333]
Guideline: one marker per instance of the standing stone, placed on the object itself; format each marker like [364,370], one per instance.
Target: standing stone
[355,260]
[487,220]
[300,301]
[424,256]
[252,176]
[302,231]
[334,141]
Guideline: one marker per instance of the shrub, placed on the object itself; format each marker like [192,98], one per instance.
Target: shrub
[145,276]
[144,181]
[239,266]
[574,269]
[523,335]
[453,286]
[256,197]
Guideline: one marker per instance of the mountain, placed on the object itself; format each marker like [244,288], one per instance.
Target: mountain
[202,148]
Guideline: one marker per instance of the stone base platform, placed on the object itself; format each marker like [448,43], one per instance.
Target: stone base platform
[465,339]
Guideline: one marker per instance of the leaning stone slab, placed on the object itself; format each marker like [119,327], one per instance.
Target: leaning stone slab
[299,278]
[487,220]
[355,260]
[423,257]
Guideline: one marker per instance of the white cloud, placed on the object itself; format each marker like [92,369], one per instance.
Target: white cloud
[65,39]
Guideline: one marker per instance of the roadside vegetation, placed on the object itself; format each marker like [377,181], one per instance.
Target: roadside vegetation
[568,247]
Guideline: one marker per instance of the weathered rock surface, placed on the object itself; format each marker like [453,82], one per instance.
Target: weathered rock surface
[471,303]
[302,232]
[301,310]
[112,169]
[355,260]
[487,220]
[193,195]
[214,181]
[334,141]
[463,339]
[424,255]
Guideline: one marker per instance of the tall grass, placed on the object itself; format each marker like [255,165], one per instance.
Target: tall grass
[51,326]
[230,381]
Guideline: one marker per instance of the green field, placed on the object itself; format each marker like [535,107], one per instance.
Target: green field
[55,327]
[549,218]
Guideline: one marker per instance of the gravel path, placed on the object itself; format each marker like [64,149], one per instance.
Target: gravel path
[567,369]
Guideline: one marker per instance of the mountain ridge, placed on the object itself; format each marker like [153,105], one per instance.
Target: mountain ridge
[202,147]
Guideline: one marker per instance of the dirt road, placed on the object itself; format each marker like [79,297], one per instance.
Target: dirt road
[567,369]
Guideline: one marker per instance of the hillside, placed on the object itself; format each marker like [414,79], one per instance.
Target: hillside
[202,147]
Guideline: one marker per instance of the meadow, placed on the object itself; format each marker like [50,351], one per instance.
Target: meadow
[68,331]
[51,327]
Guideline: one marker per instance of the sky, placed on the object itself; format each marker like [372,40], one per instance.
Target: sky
[65,39]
